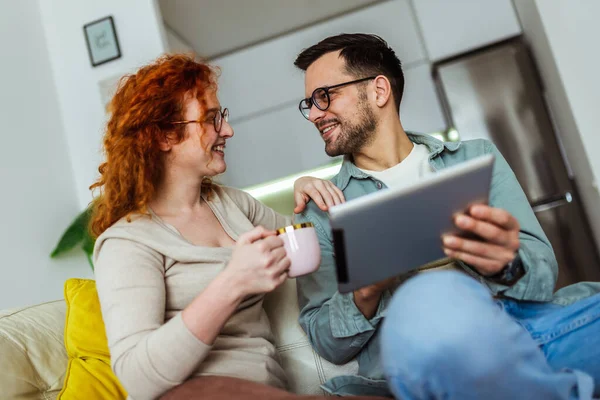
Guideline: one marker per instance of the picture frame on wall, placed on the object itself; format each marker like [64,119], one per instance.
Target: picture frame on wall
[102,42]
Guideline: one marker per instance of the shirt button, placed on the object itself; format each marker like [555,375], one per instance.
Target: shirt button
[379,185]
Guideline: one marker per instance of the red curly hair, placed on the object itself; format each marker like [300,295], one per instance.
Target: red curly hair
[141,114]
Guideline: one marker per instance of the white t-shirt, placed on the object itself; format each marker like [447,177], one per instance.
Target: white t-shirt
[410,170]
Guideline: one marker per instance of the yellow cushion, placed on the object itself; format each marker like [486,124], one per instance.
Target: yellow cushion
[89,375]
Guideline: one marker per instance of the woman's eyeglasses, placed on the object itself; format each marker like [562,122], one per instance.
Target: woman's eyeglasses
[220,116]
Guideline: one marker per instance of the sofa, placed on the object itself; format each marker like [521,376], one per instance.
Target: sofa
[33,359]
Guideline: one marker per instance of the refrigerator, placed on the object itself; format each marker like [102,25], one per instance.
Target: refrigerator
[496,93]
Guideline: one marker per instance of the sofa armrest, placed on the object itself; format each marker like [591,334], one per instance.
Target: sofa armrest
[33,358]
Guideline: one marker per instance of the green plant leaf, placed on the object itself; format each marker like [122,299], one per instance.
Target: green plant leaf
[75,233]
[88,244]
[88,247]
[89,258]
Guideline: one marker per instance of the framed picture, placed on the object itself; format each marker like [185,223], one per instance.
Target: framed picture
[102,42]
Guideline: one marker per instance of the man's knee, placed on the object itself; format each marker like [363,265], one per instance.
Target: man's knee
[437,319]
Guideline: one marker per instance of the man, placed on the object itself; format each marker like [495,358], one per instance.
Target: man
[501,335]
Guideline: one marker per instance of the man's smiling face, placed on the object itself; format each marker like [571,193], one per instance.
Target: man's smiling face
[349,123]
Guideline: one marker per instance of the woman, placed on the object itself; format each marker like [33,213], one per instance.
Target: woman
[182,264]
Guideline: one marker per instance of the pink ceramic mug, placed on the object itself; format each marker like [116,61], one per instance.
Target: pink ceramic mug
[302,247]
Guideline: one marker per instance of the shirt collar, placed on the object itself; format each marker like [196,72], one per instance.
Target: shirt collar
[435,147]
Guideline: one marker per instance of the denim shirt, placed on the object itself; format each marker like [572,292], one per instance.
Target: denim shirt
[339,332]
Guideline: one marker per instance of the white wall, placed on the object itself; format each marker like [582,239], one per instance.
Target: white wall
[563,37]
[176,44]
[38,193]
[52,119]
[141,37]
[573,32]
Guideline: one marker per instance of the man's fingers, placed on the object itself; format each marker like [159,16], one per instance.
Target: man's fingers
[485,266]
[496,216]
[499,233]
[385,284]
[478,248]
[376,288]
[488,231]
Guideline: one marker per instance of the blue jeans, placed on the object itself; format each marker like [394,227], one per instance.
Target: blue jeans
[445,337]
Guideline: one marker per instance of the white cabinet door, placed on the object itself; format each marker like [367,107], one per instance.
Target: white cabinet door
[453,27]
[420,109]
[271,146]
[263,77]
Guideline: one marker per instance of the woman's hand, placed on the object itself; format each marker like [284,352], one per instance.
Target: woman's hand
[259,263]
[324,193]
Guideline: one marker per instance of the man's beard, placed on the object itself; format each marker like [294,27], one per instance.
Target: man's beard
[353,137]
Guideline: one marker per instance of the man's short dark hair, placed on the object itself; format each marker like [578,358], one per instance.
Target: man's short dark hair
[364,55]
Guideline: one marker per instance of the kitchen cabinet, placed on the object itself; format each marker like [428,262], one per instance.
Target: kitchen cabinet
[453,27]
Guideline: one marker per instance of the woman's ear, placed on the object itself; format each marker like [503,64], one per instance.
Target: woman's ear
[383,90]
[165,142]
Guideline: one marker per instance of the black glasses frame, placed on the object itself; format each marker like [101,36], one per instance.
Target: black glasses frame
[220,116]
[307,103]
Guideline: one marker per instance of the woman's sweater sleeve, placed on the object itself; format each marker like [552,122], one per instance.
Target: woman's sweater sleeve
[148,355]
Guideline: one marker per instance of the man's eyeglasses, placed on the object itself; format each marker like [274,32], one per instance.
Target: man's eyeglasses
[320,97]
[220,116]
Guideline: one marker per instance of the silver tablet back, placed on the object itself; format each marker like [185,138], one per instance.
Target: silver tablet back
[391,232]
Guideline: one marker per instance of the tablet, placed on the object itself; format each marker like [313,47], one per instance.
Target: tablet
[393,231]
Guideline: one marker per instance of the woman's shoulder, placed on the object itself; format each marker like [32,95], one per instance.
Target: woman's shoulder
[135,230]
[241,198]
[136,222]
